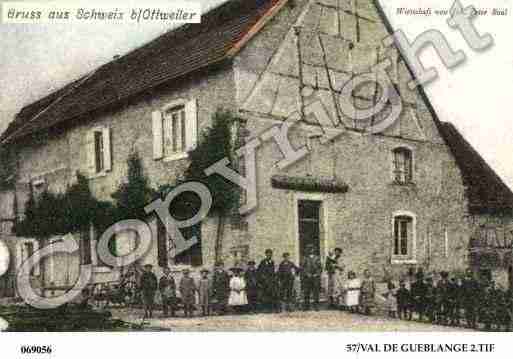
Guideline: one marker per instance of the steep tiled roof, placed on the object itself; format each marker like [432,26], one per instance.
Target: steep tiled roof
[486,192]
[221,33]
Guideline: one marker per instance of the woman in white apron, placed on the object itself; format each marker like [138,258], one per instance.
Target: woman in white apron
[352,292]
[238,298]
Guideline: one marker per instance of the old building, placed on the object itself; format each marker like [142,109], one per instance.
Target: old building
[414,194]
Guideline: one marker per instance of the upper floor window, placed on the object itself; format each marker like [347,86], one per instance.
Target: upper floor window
[175,130]
[403,165]
[99,151]
[403,237]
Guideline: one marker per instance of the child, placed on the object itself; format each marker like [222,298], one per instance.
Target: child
[188,291]
[352,292]
[404,304]
[251,278]
[368,291]
[238,299]
[297,288]
[454,301]
[430,300]
[338,286]
[167,288]
[391,300]
[204,292]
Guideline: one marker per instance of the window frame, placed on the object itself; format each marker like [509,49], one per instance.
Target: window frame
[394,168]
[106,153]
[178,132]
[186,129]
[411,256]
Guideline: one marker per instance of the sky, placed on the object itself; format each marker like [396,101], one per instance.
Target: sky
[476,96]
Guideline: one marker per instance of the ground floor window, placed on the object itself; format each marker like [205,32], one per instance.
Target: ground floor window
[166,245]
[403,236]
[309,226]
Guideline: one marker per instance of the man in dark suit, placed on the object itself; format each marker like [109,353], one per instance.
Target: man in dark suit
[470,291]
[311,270]
[267,282]
[149,284]
[221,287]
[251,278]
[418,294]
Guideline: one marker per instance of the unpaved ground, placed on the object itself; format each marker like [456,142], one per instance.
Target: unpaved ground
[327,320]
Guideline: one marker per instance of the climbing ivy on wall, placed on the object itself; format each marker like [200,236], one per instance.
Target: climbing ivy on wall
[214,145]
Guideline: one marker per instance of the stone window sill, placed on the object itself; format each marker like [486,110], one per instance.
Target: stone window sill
[402,260]
[176,157]
[99,175]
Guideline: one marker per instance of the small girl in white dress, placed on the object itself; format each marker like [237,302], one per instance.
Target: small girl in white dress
[352,292]
[238,298]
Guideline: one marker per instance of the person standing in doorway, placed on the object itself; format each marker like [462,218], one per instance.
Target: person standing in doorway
[267,282]
[312,270]
[149,284]
[286,278]
[331,268]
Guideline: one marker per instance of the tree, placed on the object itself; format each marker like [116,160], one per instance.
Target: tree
[7,169]
[132,196]
[215,145]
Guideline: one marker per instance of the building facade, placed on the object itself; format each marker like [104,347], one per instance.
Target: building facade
[413,195]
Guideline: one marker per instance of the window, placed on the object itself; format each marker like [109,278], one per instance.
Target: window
[29,253]
[85,248]
[403,165]
[403,237]
[174,130]
[99,151]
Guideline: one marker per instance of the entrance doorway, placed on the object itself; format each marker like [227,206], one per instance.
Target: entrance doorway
[309,226]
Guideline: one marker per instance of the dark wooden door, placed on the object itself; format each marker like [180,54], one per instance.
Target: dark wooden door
[309,225]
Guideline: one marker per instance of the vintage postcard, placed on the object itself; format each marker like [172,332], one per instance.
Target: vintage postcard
[257,166]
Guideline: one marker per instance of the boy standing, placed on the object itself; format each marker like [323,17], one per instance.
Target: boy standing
[403,301]
[188,291]
[418,294]
[251,278]
[167,288]
[204,292]
[368,292]
[149,286]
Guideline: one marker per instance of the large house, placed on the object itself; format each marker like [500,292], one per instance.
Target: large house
[413,195]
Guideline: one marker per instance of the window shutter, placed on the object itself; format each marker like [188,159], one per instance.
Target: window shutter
[91,154]
[107,154]
[158,149]
[94,254]
[191,120]
[37,267]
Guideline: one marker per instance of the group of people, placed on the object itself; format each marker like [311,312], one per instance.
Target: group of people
[286,287]
[266,287]
[452,299]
